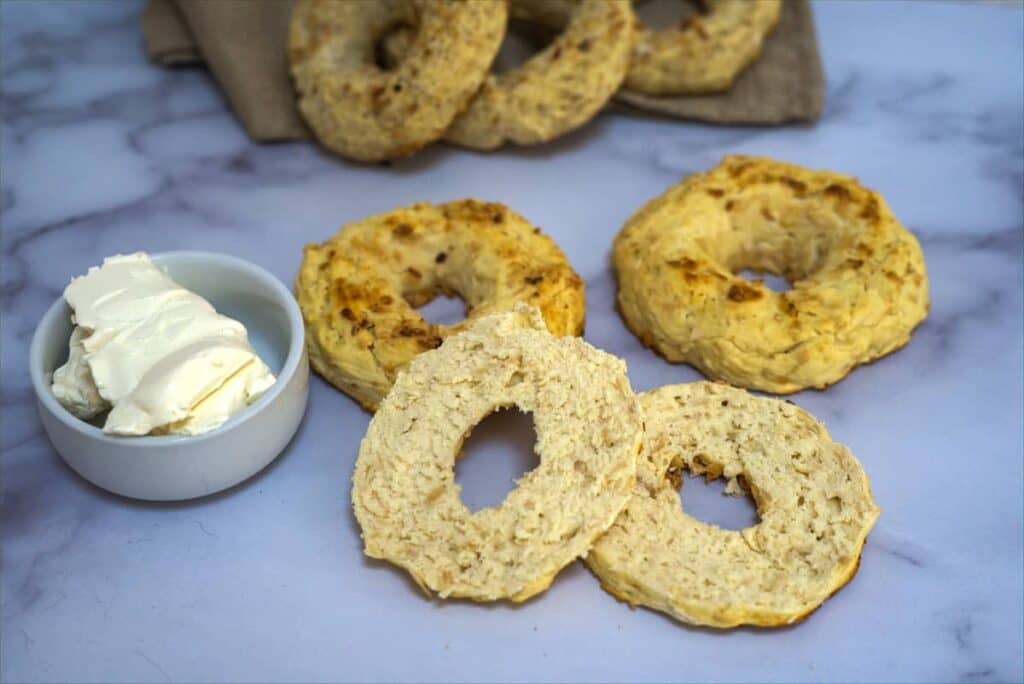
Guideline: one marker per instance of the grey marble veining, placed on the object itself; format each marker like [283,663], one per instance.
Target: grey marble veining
[100,152]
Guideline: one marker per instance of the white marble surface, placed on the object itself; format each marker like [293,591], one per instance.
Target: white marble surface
[102,153]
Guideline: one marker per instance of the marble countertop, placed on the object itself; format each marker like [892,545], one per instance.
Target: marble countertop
[103,153]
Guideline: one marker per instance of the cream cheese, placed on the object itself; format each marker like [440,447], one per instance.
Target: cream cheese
[238,391]
[73,384]
[160,355]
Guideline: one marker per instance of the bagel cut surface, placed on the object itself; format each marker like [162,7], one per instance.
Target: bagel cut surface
[359,290]
[859,285]
[588,426]
[706,53]
[812,496]
[367,113]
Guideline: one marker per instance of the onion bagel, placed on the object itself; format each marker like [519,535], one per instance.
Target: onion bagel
[366,113]
[358,291]
[706,53]
[812,495]
[859,285]
[589,430]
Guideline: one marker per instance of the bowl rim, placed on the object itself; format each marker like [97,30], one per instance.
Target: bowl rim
[296,349]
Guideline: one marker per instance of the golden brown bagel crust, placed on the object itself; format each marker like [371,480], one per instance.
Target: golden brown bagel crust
[813,499]
[706,53]
[363,112]
[557,90]
[588,426]
[358,291]
[858,277]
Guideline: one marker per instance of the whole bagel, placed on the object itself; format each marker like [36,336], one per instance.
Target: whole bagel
[366,113]
[858,277]
[555,91]
[813,499]
[706,53]
[358,291]
[588,426]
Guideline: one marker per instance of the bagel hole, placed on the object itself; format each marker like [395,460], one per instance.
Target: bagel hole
[498,452]
[391,45]
[522,41]
[381,58]
[708,500]
[773,282]
[667,14]
[441,309]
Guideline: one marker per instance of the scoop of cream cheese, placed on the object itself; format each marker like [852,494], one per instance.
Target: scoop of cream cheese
[237,392]
[158,354]
[73,384]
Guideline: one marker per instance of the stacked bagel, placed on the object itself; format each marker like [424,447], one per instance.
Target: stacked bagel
[380,80]
[607,487]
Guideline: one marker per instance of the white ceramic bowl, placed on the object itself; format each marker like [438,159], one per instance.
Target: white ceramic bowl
[171,468]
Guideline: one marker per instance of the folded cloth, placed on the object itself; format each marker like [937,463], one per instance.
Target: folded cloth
[244,45]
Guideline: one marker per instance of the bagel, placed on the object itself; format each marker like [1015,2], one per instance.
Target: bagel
[588,427]
[363,112]
[358,291]
[706,53]
[812,496]
[555,91]
[859,285]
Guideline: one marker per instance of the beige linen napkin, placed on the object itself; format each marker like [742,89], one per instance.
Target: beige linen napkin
[244,45]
